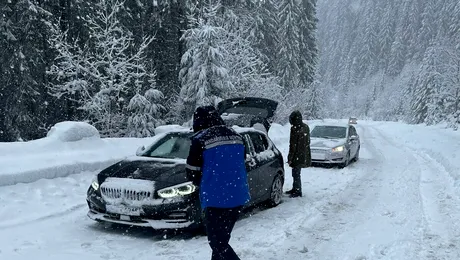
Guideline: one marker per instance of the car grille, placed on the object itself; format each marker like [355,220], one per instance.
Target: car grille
[118,193]
[121,190]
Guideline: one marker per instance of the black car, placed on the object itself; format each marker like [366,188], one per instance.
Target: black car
[152,188]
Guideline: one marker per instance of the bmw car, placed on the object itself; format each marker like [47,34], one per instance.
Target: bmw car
[152,189]
[334,144]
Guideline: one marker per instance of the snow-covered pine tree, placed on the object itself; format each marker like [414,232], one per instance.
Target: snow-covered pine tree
[102,74]
[450,89]
[24,28]
[246,69]
[308,49]
[430,25]
[387,32]
[366,61]
[204,75]
[288,65]
[397,53]
[427,88]
[265,31]
[145,113]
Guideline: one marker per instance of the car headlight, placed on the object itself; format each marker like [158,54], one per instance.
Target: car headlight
[95,183]
[177,190]
[338,149]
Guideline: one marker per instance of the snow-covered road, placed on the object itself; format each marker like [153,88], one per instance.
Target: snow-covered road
[399,201]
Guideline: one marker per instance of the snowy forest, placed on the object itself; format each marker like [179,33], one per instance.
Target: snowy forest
[391,60]
[127,66]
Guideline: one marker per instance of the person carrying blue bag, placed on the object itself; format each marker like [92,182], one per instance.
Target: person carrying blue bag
[216,163]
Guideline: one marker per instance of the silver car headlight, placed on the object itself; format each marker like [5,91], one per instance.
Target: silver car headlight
[338,149]
[177,190]
[95,183]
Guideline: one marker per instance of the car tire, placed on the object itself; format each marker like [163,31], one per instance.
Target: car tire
[346,163]
[276,191]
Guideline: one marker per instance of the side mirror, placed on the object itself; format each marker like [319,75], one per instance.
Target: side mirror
[140,150]
[354,137]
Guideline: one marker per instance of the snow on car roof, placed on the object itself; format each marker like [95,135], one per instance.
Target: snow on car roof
[332,124]
[238,129]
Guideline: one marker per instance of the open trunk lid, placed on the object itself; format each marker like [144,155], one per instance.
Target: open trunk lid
[248,111]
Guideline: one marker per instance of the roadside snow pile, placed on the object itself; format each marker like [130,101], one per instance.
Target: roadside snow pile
[70,131]
[24,162]
[69,148]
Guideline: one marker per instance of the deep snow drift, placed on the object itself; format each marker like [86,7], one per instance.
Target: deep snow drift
[399,201]
[69,148]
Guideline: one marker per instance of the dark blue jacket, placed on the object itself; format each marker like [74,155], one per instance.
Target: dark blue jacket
[217,161]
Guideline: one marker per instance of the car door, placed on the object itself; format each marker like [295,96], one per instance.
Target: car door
[264,158]
[251,168]
[354,141]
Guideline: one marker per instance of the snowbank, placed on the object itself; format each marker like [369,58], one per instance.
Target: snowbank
[70,131]
[41,159]
[70,148]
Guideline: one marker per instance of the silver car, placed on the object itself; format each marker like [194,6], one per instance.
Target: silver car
[337,144]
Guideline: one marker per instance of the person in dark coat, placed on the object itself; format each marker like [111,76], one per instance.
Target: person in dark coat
[216,164]
[299,151]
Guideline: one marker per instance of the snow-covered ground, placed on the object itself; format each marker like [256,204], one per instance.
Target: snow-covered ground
[401,200]
[24,162]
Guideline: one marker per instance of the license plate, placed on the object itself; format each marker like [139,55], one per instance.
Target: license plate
[318,156]
[124,210]
[318,151]
[125,218]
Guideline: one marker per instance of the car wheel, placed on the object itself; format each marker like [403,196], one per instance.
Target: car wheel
[276,191]
[347,161]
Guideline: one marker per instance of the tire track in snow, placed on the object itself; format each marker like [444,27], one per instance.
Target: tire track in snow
[297,222]
[441,233]
[12,224]
[381,224]
[29,203]
[323,230]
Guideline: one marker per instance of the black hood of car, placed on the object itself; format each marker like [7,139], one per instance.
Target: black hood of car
[165,173]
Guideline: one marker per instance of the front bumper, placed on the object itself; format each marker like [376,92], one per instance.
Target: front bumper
[178,213]
[326,156]
[140,222]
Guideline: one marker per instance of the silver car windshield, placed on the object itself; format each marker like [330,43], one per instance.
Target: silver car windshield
[329,132]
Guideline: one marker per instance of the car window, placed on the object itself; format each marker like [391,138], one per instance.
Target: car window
[171,146]
[353,131]
[247,145]
[259,141]
[329,132]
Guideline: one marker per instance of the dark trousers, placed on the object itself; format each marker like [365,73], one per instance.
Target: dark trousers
[297,184]
[219,226]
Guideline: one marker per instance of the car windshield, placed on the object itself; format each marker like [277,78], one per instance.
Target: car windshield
[329,132]
[172,146]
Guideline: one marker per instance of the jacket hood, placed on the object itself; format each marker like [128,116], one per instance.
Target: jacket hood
[206,117]
[295,118]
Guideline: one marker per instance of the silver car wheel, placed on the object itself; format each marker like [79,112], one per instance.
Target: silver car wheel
[277,191]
